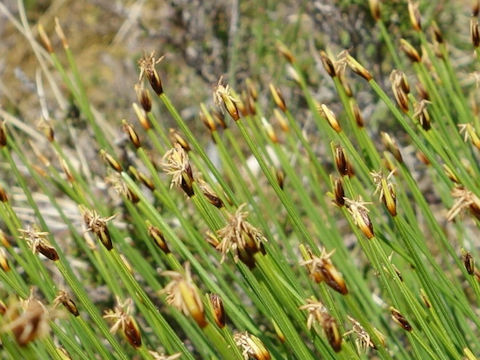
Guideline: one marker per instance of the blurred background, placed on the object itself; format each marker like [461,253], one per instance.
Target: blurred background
[201,41]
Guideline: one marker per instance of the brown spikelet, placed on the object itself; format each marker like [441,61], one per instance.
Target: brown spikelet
[3,134]
[132,134]
[468,262]
[410,51]
[328,64]
[65,299]
[44,39]
[218,310]
[147,69]
[114,164]
[158,238]
[278,98]
[374,9]
[474,33]
[400,319]
[414,15]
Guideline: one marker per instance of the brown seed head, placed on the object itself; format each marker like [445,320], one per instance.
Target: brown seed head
[269,130]
[240,237]
[177,138]
[475,8]
[338,192]
[360,216]
[278,98]
[363,339]
[400,319]
[386,191]
[122,320]
[285,52]
[98,225]
[356,113]
[3,134]
[210,195]
[410,51]
[414,14]
[184,295]
[251,346]
[176,163]
[355,66]
[330,116]
[65,299]
[114,164]
[437,33]
[147,69]
[422,115]
[141,116]
[3,195]
[469,262]
[321,268]
[4,260]
[38,242]
[61,34]
[282,120]
[332,332]
[474,33]
[328,64]
[132,134]
[207,120]
[44,39]
[469,132]
[374,9]
[391,146]
[218,310]
[143,97]
[158,237]
[223,95]
[219,119]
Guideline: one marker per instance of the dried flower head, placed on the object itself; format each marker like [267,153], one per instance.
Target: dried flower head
[98,225]
[421,113]
[278,97]
[147,69]
[157,235]
[122,320]
[4,260]
[176,163]
[44,126]
[363,340]
[386,190]
[240,237]
[320,268]
[27,320]
[121,187]
[360,215]
[66,300]
[184,296]
[469,132]
[251,346]
[223,97]
[410,51]
[400,319]
[218,309]
[354,65]
[143,97]
[464,199]
[316,311]
[414,15]
[400,89]
[209,194]
[38,242]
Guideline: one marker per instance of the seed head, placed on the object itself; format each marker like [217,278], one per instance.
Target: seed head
[251,346]
[355,66]
[210,195]
[143,97]
[391,146]
[38,242]
[375,9]
[114,164]
[400,319]
[177,138]
[3,134]
[184,296]
[421,113]
[360,217]
[410,51]
[363,340]
[285,52]
[321,268]
[121,187]
[98,225]
[344,166]
[44,38]
[45,126]
[464,199]
[328,64]
[4,260]
[176,163]
[147,69]
[468,261]
[141,116]
[386,191]
[469,132]
[278,97]
[27,320]
[132,134]
[414,15]
[65,299]
[330,116]
[240,237]
[223,96]
[157,356]
[158,237]
[218,310]
[122,320]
